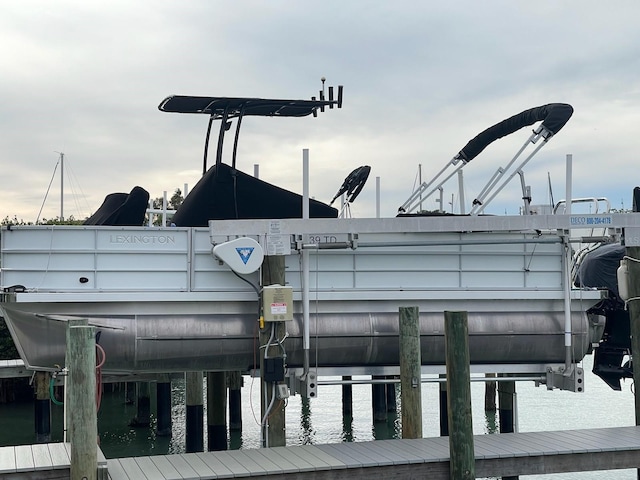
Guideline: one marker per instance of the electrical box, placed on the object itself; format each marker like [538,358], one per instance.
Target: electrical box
[273,369]
[277,303]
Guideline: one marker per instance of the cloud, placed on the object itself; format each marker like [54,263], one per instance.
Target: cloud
[421,79]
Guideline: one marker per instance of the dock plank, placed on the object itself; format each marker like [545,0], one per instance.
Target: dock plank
[163,464]
[215,464]
[7,460]
[149,468]
[181,464]
[24,458]
[41,457]
[198,465]
[59,456]
[132,469]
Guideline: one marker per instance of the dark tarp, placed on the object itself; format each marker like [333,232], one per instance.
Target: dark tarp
[598,269]
[554,116]
[225,193]
[123,209]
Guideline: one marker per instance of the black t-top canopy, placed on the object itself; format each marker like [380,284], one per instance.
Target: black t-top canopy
[235,107]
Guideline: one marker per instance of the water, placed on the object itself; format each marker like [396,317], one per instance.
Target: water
[321,420]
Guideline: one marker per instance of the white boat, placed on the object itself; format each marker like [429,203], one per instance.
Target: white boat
[163,302]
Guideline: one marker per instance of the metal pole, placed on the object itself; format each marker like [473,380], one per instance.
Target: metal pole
[61,186]
[377,197]
[305,262]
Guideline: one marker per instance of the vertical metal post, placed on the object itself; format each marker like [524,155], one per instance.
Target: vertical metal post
[305,263]
[377,197]
[61,186]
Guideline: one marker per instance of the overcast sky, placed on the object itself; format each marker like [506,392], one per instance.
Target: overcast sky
[420,78]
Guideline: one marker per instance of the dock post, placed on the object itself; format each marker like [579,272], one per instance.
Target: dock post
[216,411]
[490,393]
[462,464]
[379,399]
[347,397]
[272,409]
[235,400]
[194,433]
[81,361]
[444,409]
[410,372]
[391,395]
[163,406]
[506,402]
[633,265]
[143,406]
[42,407]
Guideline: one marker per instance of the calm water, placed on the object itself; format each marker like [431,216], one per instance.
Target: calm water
[322,422]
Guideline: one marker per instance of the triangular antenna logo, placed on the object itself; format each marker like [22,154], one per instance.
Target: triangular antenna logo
[245,253]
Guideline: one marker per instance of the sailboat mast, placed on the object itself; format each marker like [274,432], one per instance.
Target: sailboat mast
[61,187]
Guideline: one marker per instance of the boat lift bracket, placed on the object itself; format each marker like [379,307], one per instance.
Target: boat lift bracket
[571,379]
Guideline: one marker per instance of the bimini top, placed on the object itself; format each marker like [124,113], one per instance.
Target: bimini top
[230,107]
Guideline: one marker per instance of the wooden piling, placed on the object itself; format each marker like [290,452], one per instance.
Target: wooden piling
[143,406]
[462,464]
[81,398]
[273,429]
[444,409]
[234,379]
[347,397]
[216,411]
[163,407]
[410,372]
[633,265]
[506,410]
[194,413]
[42,407]
[490,393]
[378,399]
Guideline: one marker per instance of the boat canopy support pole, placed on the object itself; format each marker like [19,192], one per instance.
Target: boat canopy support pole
[235,141]
[541,132]
[206,145]
[224,126]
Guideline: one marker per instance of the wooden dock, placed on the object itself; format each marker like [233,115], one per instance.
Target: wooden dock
[505,454]
[498,455]
[44,461]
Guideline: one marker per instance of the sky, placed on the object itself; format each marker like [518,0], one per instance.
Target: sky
[421,78]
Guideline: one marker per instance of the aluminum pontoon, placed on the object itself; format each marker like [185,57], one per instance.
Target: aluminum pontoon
[163,303]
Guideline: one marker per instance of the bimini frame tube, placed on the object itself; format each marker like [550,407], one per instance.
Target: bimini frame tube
[553,116]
